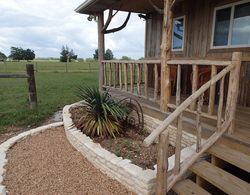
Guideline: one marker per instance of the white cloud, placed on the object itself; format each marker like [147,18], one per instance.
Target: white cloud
[46,25]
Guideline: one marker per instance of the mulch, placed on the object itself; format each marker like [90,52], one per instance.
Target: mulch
[128,144]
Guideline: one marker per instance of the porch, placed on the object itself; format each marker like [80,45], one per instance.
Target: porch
[118,76]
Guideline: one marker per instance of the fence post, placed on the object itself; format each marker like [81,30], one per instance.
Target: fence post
[32,86]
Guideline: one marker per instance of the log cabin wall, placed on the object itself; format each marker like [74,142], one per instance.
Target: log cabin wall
[197,42]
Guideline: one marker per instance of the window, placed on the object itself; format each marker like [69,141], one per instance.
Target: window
[232,26]
[178,34]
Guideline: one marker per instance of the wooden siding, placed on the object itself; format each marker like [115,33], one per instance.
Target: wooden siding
[153,36]
[199,25]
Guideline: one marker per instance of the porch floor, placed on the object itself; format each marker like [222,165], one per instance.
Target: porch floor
[152,108]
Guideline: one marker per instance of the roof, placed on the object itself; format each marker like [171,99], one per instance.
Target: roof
[138,6]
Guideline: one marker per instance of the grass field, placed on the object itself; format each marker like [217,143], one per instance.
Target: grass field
[55,88]
[50,66]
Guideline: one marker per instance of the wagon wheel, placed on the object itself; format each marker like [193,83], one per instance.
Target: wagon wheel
[135,118]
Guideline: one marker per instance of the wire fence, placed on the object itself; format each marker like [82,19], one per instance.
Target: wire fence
[49,66]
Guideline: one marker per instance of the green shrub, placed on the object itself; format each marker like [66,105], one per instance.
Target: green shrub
[104,116]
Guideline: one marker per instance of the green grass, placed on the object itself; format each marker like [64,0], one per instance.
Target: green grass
[49,66]
[54,89]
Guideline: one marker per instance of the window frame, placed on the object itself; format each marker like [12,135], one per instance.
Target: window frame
[229,41]
[184,30]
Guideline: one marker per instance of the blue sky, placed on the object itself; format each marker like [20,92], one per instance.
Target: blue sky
[46,25]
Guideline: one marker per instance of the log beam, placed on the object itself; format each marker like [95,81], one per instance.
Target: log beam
[166,55]
[101,48]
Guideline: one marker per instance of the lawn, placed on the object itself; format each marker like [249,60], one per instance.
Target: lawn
[55,89]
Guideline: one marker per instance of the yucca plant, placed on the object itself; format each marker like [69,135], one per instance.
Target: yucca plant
[103,116]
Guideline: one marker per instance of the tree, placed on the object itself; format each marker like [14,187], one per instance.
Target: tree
[107,56]
[3,57]
[18,53]
[67,54]
[125,58]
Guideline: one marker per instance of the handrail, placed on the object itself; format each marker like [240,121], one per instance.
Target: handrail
[133,61]
[199,62]
[150,139]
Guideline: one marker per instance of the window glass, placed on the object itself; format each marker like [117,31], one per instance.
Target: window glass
[222,25]
[178,34]
[241,25]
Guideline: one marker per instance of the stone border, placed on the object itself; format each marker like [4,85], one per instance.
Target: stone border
[133,177]
[5,146]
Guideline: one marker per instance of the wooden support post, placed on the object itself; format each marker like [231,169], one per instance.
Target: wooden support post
[198,123]
[105,73]
[131,78]
[146,80]
[156,82]
[110,75]
[234,88]
[115,74]
[166,55]
[178,86]
[101,47]
[120,75]
[32,86]
[212,92]
[178,145]
[162,164]
[220,107]
[126,76]
[194,84]
[179,124]
[139,80]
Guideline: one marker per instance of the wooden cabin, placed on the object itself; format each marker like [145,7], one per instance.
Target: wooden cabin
[195,76]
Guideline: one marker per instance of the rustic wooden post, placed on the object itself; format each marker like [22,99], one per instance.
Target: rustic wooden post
[212,92]
[105,73]
[146,80]
[220,107]
[131,78]
[234,88]
[120,75]
[115,75]
[139,80]
[126,76]
[156,82]
[162,164]
[110,74]
[101,47]
[166,55]
[32,86]
[198,123]
[194,84]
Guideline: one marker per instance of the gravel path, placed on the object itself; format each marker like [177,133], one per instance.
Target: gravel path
[48,164]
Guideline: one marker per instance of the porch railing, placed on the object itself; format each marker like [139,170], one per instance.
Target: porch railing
[133,77]
[166,181]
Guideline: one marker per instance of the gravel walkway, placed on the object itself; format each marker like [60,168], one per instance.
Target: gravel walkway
[48,164]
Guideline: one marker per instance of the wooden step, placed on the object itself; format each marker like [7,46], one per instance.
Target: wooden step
[232,156]
[220,178]
[187,187]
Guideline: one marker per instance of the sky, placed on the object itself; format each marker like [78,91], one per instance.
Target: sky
[45,25]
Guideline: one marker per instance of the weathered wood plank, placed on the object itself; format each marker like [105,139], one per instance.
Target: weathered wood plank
[178,145]
[156,82]
[139,79]
[198,122]
[194,84]
[146,80]
[220,107]
[200,62]
[126,76]
[212,92]
[162,164]
[120,75]
[131,78]
[110,74]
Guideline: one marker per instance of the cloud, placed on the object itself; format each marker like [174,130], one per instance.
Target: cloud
[45,25]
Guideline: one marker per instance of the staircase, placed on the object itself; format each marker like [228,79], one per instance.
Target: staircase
[216,175]
[212,175]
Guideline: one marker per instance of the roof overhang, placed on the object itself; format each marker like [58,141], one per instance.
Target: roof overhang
[138,6]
